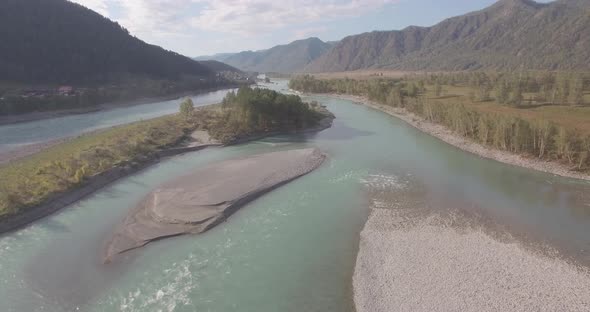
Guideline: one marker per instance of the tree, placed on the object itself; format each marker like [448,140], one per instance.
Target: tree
[502,93]
[437,89]
[187,108]
[484,92]
[564,90]
[516,98]
[412,90]
[577,96]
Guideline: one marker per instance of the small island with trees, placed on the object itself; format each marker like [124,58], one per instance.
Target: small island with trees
[35,186]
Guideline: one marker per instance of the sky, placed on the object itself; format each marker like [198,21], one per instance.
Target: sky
[205,27]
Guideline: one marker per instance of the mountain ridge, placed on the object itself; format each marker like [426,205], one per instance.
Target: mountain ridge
[505,35]
[285,58]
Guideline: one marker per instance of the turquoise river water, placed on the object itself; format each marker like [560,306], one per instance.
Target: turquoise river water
[293,249]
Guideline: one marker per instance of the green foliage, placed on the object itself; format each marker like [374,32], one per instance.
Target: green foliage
[502,93]
[438,89]
[577,96]
[187,108]
[251,111]
[516,96]
[11,102]
[32,180]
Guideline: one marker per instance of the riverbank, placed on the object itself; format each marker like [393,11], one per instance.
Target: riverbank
[414,261]
[448,136]
[92,184]
[34,116]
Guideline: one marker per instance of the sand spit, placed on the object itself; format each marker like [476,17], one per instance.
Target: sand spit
[411,263]
[198,201]
[467,145]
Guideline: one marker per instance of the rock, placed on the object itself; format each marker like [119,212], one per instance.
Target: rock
[198,201]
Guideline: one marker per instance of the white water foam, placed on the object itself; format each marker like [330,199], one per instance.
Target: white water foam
[169,297]
[383,182]
[347,176]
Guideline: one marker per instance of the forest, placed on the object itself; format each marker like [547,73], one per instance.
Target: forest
[539,114]
[51,43]
[257,110]
[13,101]
[61,42]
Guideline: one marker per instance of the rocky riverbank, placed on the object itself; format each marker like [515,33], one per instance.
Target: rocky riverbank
[421,251]
[413,262]
[199,201]
[467,145]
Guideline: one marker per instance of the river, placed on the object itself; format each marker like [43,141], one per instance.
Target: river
[19,134]
[293,249]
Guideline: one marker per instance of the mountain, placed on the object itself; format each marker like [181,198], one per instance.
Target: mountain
[507,35]
[215,57]
[217,66]
[281,59]
[57,41]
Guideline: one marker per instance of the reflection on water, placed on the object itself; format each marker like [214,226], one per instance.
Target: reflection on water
[293,249]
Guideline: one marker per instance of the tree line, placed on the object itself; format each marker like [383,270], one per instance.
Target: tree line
[14,102]
[517,88]
[506,130]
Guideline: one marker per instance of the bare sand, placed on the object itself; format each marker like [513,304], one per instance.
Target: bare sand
[466,144]
[200,200]
[203,137]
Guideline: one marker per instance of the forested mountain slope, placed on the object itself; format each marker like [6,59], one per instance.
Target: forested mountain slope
[507,35]
[282,59]
[218,66]
[57,41]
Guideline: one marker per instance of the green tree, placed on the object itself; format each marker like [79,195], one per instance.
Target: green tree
[413,90]
[438,89]
[516,98]
[187,108]
[577,96]
[502,93]
[564,90]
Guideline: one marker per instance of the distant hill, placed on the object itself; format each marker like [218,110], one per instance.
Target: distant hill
[280,59]
[507,35]
[215,57]
[57,41]
[217,66]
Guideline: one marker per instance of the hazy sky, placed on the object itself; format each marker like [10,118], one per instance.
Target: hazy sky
[199,27]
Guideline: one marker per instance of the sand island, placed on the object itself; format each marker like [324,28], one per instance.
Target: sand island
[202,199]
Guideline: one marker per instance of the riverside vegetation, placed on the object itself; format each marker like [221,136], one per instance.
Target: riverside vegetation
[30,181]
[541,114]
